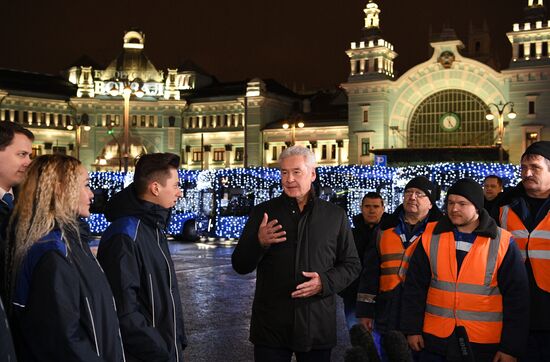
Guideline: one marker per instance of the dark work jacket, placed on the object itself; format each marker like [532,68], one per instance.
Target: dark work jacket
[385,307]
[134,254]
[63,308]
[492,204]
[363,236]
[317,240]
[7,352]
[512,283]
[540,300]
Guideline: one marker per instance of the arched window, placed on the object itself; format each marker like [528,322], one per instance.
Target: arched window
[451,118]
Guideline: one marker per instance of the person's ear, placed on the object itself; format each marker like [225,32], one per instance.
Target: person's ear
[154,188]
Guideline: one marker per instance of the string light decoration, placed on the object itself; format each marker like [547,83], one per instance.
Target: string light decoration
[225,196]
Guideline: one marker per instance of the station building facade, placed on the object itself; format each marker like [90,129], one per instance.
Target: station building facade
[437,110]
[182,110]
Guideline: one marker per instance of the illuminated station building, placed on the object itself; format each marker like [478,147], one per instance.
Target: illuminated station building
[182,110]
[438,110]
[453,107]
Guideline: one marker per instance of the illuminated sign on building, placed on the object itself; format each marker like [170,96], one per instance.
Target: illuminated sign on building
[152,89]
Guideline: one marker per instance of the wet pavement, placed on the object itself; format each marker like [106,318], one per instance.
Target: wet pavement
[217,304]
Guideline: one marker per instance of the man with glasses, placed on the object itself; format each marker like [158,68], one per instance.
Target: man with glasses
[525,212]
[386,260]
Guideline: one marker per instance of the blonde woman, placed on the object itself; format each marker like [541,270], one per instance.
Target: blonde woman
[62,306]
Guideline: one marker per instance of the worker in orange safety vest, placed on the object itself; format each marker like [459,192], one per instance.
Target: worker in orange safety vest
[525,212]
[466,282]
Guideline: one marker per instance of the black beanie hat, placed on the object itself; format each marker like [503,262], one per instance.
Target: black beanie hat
[422,183]
[541,148]
[469,189]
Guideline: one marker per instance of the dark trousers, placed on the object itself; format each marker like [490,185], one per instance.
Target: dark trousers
[538,347]
[268,354]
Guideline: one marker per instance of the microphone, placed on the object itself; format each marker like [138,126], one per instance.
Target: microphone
[362,338]
[396,347]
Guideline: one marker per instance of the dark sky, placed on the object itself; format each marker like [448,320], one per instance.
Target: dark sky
[298,42]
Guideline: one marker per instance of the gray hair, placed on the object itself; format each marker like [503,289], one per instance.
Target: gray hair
[296,150]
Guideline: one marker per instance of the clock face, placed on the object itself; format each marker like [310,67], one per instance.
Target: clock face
[449,122]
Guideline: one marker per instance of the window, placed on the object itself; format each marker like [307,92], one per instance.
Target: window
[478,46]
[545,49]
[171,121]
[521,51]
[143,121]
[533,50]
[531,107]
[530,138]
[134,121]
[333,152]
[239,153]
[219,155]
[426,128]
[365,115]
[324,152]
[274,154]
[197,156]
[58,150]
[365,146]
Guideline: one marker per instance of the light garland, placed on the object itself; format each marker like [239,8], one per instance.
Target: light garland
[209,193]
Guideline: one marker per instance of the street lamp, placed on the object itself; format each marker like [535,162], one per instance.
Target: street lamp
[292,127]
[126,93]
[500,109]
[77,125]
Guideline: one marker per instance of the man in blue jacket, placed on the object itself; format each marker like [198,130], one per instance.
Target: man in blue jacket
[134,255]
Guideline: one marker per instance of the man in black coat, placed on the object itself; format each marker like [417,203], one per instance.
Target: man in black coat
[364,226]
[492,191]
[15,152]
[302,248]
[135,257]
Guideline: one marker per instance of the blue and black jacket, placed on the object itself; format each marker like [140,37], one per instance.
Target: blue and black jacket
[63,308]
[135,257]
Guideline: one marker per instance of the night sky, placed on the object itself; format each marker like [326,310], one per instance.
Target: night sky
[300,43]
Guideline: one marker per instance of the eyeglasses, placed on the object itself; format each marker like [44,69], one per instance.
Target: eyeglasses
[418,195]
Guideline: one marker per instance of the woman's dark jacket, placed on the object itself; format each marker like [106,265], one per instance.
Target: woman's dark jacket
[135,257]
[319,239]
[63,308]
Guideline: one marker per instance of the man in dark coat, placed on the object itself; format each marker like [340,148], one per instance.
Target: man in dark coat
[492,191]
[15,152]
[135,257]
[302,248]
[364,226]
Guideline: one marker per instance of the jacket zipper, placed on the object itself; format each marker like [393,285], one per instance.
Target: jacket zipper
[171,295]
[93,326]
[152,298]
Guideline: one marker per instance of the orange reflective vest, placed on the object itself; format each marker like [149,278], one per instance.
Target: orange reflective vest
[470,298]
[534,246]
[394,259]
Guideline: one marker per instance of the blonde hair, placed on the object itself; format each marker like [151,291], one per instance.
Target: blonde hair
[48,199]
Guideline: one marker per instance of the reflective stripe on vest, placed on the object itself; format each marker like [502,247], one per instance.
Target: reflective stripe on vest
[534,246]
[472,299]
[394,259]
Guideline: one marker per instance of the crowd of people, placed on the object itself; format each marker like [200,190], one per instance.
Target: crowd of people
[469,282]
[60,302]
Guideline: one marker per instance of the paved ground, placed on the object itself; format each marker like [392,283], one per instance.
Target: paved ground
[217,304]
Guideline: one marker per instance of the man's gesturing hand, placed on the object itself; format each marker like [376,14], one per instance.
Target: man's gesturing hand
[270,232]
[309,288]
